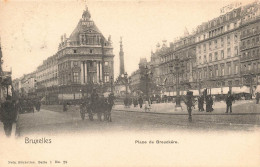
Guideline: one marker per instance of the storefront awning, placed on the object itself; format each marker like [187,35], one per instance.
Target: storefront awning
[257,89]
[244,89]
[215,91]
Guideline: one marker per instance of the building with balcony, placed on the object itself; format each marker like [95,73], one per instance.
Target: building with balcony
[250,45]
[84,60]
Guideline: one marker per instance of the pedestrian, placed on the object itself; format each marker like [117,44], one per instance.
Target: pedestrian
[229,100]
[135,102]
[65,106]
[126,102]
[147,104]
[140,101]
[201,103]
[94,98]
[209,104]
[257,97]
[189,103]
[9,114]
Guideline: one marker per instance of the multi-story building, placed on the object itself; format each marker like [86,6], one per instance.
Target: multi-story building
[176,65]
[210,56]
[83,61]
[250,45]
[86,57]
[217,52]
[142,79]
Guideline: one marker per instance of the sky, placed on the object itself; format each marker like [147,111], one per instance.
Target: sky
[30,31]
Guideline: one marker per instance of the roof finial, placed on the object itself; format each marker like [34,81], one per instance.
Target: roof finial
[86,15]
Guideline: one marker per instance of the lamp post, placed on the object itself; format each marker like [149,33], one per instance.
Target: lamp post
[147,77]
[111,82]
[178,66]
[126,79]
[250,81]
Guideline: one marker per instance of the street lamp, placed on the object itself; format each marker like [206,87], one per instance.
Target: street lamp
[178,66]
[126,83]
[148,77]
[111,82]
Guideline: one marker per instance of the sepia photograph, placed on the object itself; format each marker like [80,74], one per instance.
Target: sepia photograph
[129,83]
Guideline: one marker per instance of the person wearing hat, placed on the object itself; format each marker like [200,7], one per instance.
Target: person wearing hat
[8,115]
[229,100]
[189,103]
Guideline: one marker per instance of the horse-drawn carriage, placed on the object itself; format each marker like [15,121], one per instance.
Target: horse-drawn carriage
[98,106]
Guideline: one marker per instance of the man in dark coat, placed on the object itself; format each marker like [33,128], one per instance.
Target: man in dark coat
[126,101]
[257,97]
[209,103]
[189,103]
[135,102]
[8,115]
[229,100]
[94,98]
[201,103]
[140,100]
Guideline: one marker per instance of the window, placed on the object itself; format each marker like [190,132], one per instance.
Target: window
[216,55]
[236,69]
[235,38]
[75,63]
[228,52]
[210,57]
[90,51]
[205,59]
[76,77]
[253,41]
[209,45]
[216,43]
[222,70]
[106,77]
[204,46]
[228,27]
[229,69]
[248,54]
[228,39]
[216,70]
[222,42]
[222,54]
[200,59]
[249,67]
[236,51]
[248,43]
[74,51]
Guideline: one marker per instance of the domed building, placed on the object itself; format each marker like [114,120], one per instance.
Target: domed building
[85,59]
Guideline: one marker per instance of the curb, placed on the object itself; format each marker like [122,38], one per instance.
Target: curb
[149,112]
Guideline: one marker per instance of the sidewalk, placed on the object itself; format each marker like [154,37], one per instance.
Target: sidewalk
[243,107]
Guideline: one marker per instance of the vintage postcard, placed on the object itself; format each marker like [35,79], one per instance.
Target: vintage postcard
[129,83]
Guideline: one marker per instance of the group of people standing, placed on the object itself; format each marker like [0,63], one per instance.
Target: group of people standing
[135,101]
[209,103]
